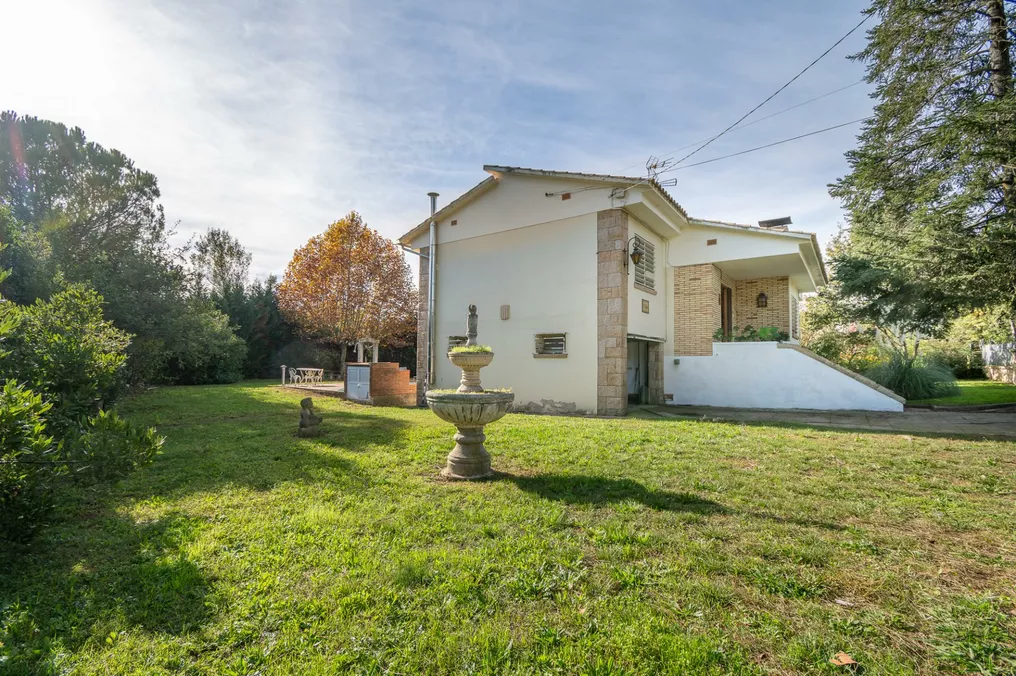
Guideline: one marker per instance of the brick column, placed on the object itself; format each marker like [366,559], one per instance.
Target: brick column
[611,312]
[421,329]
[696,308]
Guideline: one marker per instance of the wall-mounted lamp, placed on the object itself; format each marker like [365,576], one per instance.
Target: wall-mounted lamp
[762,300]
[635,255]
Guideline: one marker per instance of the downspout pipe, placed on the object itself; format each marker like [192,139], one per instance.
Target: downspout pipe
[432,257]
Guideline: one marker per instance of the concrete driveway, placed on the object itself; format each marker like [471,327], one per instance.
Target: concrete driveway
[996,424]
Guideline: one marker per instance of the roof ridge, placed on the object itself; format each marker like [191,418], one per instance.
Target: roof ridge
[553,173]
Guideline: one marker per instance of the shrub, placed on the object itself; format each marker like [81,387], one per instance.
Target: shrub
[914,377]
[111,448]
[203,349]
[771,333]
[146,361]
[64,350]
[748,334]
[963,361]
[32,465]
[26,452]
[62,364]
[852,349]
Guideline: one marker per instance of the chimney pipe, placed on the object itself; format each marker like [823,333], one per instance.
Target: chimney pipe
[431,258]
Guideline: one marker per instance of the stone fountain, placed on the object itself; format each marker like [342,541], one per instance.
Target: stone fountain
[469,408]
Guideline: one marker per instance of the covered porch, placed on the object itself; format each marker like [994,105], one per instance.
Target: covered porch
[737,296]
[729,280]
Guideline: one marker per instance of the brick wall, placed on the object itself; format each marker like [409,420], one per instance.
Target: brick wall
[611,312]
[390,385]
[777,310]
[422,372]
[696,308]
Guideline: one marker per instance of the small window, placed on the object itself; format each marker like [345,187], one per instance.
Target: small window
[795,328]
[645,269]
[456,341]
[551,345]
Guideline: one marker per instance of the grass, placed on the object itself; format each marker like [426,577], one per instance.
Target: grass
[458,349]
[976,392]
[606,547]
[494,390]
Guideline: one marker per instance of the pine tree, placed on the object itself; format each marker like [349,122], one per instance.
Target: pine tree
[931,195]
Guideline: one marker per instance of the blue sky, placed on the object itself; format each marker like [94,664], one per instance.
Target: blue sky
[274,118]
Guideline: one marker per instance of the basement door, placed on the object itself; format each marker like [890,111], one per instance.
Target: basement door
[638,371]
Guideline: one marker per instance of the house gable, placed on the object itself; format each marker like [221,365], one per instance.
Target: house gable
[515,198]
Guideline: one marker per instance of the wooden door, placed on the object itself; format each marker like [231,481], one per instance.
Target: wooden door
[726,310]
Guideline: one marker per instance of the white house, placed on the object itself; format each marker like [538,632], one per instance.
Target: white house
[578,324]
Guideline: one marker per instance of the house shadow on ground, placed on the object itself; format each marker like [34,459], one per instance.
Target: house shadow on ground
[602,491]
[598,491]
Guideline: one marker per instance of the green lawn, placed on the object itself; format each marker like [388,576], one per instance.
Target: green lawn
[607,547]
[976,392]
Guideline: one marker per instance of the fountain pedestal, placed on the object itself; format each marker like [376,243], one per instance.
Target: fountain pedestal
[469,412]
[470,408]
[470,363]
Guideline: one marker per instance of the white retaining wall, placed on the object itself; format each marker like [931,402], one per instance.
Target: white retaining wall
[765,375]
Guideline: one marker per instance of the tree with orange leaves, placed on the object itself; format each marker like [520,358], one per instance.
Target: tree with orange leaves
[347,284]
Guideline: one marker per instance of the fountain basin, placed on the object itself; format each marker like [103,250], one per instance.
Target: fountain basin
[469,412]
[470,363]
[472,409]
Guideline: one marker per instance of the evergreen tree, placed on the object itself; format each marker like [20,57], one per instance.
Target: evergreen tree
[931,195]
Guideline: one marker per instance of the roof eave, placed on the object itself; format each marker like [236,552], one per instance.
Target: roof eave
[818,259]
[456,204]
[810,237]
[629,181]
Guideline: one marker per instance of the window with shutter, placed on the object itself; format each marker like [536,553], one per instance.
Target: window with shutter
[645,269]
[551,345]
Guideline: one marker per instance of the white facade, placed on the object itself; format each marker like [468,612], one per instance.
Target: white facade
[543,274]
[654,323]
[528,240]
[763,375]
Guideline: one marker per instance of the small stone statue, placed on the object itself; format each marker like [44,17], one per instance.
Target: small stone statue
[310,424]
[471,326]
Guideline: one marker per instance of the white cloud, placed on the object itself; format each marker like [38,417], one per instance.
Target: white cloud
[275,117]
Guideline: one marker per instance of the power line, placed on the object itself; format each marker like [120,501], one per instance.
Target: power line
[716,159]
[773,95]
[761,119]
[785,110]
[768,145]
